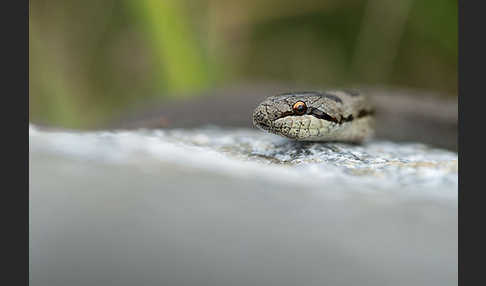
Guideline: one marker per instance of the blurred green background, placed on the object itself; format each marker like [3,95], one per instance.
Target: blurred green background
[92,59]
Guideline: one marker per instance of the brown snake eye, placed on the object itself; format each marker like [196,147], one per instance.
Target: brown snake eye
[299,108]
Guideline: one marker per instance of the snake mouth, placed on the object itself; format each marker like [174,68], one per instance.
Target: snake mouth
[263,126]
[319,114]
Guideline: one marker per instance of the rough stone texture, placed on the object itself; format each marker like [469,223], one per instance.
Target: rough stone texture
[210,206]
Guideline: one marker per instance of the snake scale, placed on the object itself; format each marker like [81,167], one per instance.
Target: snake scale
[337,115]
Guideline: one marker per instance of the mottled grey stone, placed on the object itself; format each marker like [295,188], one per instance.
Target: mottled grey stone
[212,206]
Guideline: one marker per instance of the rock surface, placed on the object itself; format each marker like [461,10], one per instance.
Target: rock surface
[212,206]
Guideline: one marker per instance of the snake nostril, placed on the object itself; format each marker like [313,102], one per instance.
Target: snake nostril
[260,118]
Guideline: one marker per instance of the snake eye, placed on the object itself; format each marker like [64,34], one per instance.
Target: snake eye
[299,108]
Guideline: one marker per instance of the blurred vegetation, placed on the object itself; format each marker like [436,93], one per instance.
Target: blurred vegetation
[91,59]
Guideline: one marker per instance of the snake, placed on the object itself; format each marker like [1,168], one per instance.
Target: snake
[334,115]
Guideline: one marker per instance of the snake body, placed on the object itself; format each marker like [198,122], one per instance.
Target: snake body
[336,115]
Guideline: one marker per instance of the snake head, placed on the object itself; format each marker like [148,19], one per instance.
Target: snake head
[310,115]
[269,113]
